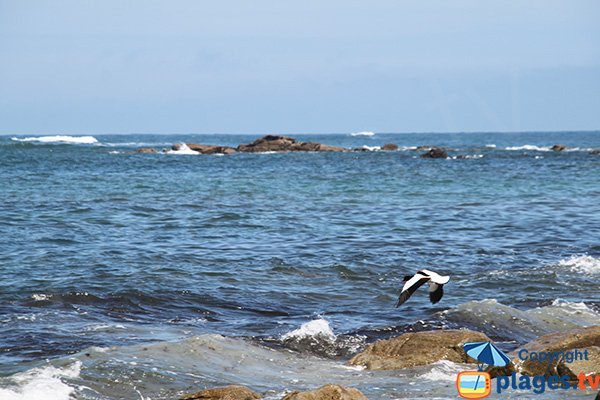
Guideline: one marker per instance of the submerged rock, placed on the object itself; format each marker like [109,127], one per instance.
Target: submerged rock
[231,392]
[146,150]
[328,392]
[435,152]
[581,339]
[558,147]
[418,348]
[389,147]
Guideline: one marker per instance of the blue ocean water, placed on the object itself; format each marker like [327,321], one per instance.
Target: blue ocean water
[103,248]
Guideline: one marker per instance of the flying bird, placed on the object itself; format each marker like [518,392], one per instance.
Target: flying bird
[412,283]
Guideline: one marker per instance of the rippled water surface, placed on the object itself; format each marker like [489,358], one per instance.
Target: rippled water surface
[104,248]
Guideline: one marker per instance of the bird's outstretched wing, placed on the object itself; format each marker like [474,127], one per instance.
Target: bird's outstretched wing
[435,292]
[410,287]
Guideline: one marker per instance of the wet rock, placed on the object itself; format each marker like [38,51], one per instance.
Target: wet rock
[268,143]
[435,152]
[558,147]
[146,150]
[328,392]
[418,348]
[332,149]
[581,339]
[595,152]
[231,392]
[389,147]
[210,149]
[285,143]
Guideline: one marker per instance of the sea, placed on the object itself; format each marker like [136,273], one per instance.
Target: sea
[150,276]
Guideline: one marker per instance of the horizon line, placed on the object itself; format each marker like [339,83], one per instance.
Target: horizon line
[303,133]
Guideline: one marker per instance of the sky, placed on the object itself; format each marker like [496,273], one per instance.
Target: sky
[310,66]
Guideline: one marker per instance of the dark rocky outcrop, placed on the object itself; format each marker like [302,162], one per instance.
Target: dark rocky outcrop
[558,147]
[389,147]
[328,392]
[231,392]
[435,152]
[595,152]
[146,150]
[418,348]
[285,143]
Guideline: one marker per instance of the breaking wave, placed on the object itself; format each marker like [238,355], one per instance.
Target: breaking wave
[40,383]
[498,320]
[363,133]
[529,147]
[316,337]
[59,139]
[183,150]
[581,264]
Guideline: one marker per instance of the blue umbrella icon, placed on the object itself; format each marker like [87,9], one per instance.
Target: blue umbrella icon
[486,353]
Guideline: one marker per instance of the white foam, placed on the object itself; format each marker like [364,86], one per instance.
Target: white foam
[363,133]
[183,150]
[41,296]
[582,264]
[443,370]
[490,146]
[59,139]
[41,383]
[317,327]
[571,306]
[529,147]
[370,148]
[468,157]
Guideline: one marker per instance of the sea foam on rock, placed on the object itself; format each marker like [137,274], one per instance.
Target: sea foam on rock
[328,392]
[418,348]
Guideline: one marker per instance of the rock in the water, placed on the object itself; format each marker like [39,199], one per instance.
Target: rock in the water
[268,143]
[285,143]
[581,339]
[558,147]
[231,392]
[595,152]
[210,149]
[146,150]
[332,149]
[418,348]
[435,152]
[389,147]
[328,392]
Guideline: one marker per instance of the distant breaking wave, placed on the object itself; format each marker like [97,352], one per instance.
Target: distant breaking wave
[363,133]
[59,139]
[184,150]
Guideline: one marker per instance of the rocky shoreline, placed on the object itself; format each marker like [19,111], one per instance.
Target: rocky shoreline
[285,144]
[423,348]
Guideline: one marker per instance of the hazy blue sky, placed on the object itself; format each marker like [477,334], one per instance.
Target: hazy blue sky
[257,66]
